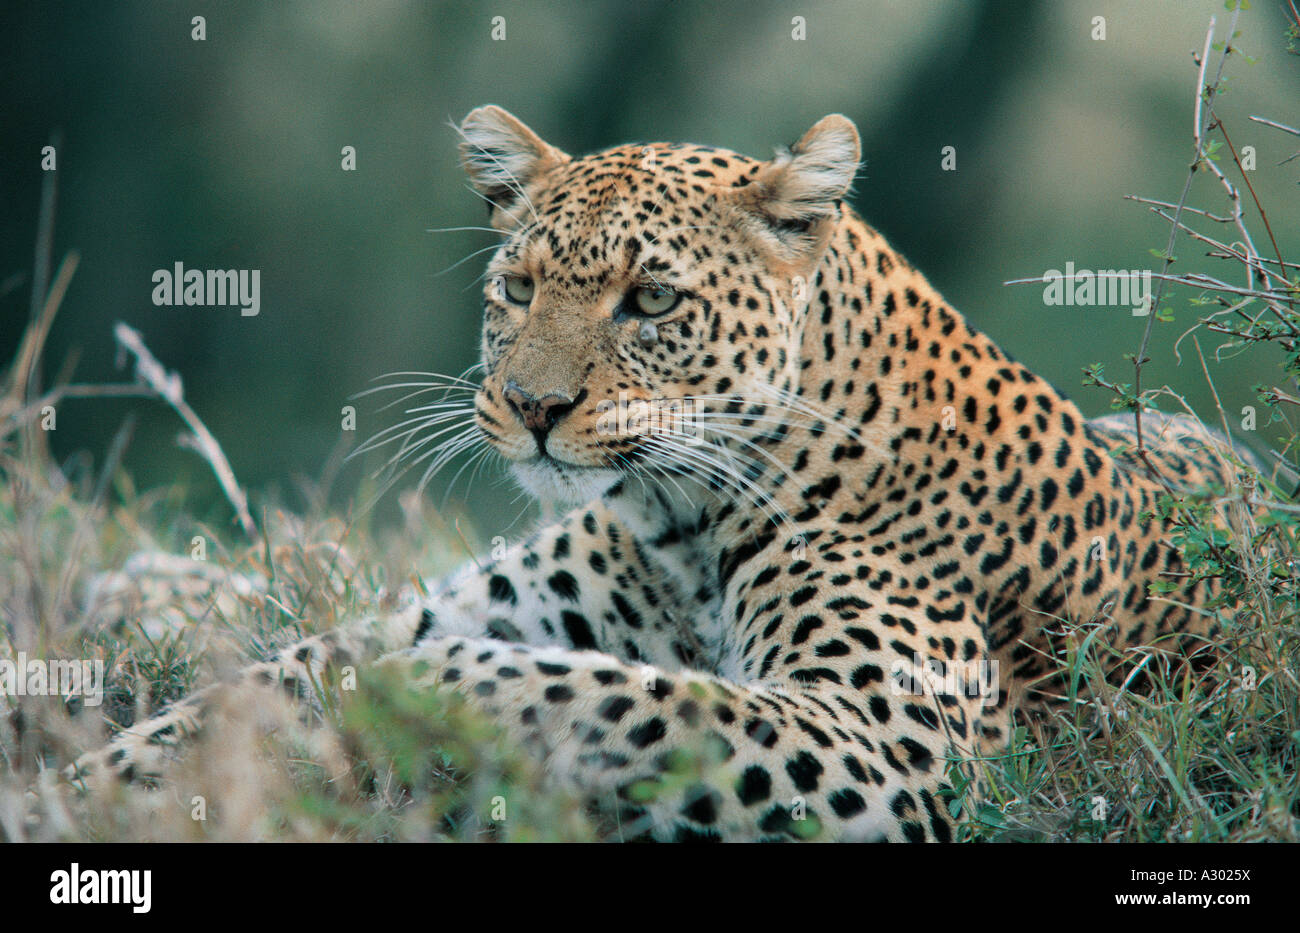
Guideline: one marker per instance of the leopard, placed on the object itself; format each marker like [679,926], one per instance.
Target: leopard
[817,536]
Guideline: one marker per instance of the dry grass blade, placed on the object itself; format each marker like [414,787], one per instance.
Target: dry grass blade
[168,387]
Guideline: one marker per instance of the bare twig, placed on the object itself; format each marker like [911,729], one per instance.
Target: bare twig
[168,387]
[1204,95]
[1192,210]
[1285,129]
[1223,130]
[1289,265]
[1194,279]
[1277,126]
[1240,256]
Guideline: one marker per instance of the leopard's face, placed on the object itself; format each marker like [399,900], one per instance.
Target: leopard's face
[643,297]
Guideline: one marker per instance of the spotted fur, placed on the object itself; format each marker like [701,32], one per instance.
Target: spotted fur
[883,490]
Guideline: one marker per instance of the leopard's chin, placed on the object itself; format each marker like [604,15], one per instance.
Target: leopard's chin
[565,484]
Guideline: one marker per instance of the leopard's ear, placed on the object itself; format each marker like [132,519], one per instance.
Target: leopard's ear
[802,185]
[502,157]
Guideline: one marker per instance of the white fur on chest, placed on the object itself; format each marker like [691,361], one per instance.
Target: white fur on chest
[691,565]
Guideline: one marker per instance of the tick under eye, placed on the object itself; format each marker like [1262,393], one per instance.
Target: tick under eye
[518,288]
[654,300]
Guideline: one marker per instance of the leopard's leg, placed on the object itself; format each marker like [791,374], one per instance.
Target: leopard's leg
[583,583]
[693,755]
[580,583]
[138,753]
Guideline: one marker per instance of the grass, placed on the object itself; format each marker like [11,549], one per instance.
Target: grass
[1192,757]
[391,764]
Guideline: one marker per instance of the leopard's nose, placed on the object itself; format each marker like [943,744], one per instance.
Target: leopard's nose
[539,415]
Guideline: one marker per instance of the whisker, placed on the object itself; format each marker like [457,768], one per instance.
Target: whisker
[804,408]
[477,457]
[489,452]
[465,432]
[410,395]
[447,386]
[477,252]
[412,372]
[444,453]
[641,475]
[798,403]
[387,435]
[784,471]
[410,448]
[462,229]
[716,471]
[441,406]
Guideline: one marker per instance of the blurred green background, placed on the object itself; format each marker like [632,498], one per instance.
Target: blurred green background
[225,153]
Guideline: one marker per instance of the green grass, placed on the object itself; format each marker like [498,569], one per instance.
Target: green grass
[1192,757]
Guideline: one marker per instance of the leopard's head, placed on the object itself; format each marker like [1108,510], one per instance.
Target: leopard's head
[645,310]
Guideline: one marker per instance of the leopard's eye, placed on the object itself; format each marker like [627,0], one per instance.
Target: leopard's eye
[653,300]
[519,289]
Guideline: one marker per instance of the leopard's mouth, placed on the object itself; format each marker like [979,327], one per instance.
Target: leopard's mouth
[549,479]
